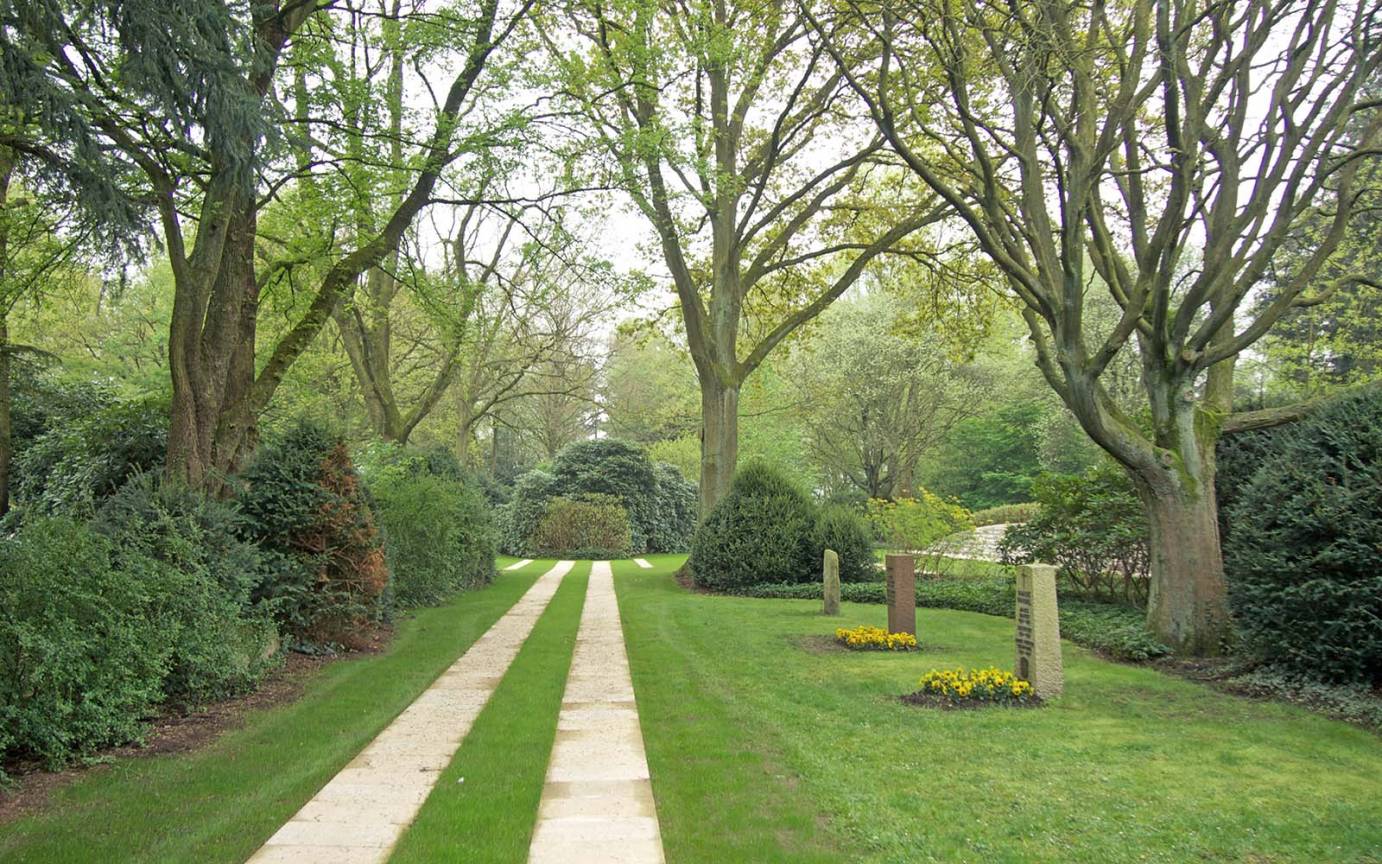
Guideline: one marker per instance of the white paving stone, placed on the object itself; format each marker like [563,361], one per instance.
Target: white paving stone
[644,563]
[358,816]
[597,804]
[517,564]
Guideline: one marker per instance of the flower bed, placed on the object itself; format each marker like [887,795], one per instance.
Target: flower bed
[960,688]
[867,638]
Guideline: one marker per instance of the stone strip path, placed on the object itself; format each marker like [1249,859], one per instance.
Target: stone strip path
[644,563]
[519,564]
[359,815]
[597,804]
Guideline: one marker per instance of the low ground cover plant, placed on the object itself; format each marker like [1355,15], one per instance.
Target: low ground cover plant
[866,637]
[958,688]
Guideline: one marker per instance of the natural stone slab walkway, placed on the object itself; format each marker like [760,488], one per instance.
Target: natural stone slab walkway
[359,815]
[519,564]
[597,804]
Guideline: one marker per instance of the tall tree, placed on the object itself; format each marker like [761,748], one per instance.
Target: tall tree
[730,133]
[878,394]
[1171,147]
[175,107]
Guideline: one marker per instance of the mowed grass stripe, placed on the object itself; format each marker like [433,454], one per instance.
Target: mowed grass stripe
[483,808]
[219,803]
[723,791]
[1130,765]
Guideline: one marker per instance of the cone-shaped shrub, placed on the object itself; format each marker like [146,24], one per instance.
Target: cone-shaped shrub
[761,531]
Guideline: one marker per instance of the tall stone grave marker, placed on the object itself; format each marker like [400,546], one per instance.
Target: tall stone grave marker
[1038,630]
[902,594]
[830,588]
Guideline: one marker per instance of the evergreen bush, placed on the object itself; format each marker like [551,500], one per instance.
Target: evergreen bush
[839,528]
[608,466]
[1304,555]
[308,510]
[675,514]
[439,535]
[520,517]
[760,531]
[71,467]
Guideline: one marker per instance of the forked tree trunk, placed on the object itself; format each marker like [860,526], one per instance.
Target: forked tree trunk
[719,440]
[211,430]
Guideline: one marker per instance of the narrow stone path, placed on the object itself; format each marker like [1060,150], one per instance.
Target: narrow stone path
[644,563]
[597,804]
[358,816]
[518,565]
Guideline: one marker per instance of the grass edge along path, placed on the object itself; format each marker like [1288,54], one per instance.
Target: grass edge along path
[221,802]
[483,809]
[722,790]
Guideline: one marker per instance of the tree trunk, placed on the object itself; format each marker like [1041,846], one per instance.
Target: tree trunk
[1188,603]
[211,428]
[719,440]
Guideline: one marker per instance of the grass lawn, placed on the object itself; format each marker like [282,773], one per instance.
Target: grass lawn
[764,747]
[484,806]
[219,803]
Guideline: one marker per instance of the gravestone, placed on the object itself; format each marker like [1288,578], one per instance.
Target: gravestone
[830,589]
[902,594]
[1038,630]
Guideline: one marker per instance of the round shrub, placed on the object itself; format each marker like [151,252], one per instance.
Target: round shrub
[82,656]
[439,536]
[608,466]
[839,528]
[307,508]
[595,526]
[760,531]
[1304,557]
[520,517]
[675,515]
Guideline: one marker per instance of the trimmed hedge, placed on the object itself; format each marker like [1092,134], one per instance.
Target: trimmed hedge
[595,526]
[1115,630]
[1005,514]
[1304,549]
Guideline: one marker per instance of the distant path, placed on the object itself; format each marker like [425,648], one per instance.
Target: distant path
[597,804]
[358,816]
[981,544]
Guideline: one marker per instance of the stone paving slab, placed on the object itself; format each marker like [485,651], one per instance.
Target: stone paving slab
[597,804]
[519,564]
[644,563]
[358,816]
